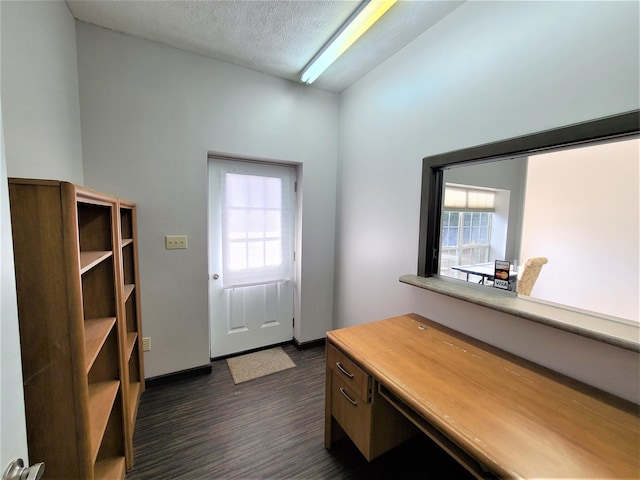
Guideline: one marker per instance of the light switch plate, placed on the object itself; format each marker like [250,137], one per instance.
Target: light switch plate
[173,242]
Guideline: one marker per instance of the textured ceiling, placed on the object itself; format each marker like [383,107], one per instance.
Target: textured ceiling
[277,37]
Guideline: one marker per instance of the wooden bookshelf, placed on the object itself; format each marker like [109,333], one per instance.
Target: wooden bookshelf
[132,361]
[80,326]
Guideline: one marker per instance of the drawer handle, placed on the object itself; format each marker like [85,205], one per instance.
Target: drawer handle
[342,369]
[346,395]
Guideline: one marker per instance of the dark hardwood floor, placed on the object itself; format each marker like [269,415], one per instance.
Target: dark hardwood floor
[269,428]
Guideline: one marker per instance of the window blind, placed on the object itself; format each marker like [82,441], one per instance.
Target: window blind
[463,198]
[257,227]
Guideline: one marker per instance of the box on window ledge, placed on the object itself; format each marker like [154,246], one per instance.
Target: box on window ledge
[501,274]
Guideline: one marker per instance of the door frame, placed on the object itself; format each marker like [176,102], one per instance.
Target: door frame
[13,430]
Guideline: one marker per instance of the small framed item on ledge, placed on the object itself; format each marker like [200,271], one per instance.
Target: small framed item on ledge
[501,274]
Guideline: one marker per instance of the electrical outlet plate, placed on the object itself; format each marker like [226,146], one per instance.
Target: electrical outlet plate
[174,242]
[146,344]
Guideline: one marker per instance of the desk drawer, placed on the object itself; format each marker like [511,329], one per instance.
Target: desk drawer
[351,412]
[350,375]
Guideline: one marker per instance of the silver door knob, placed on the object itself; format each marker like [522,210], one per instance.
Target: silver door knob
[17,471]
[215,276]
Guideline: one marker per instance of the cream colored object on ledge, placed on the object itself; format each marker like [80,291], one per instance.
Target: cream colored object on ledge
[530,272]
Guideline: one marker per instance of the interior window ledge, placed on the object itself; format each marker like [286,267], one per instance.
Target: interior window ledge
[615,331]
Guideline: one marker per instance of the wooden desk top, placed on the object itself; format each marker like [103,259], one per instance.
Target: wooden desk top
[517,418]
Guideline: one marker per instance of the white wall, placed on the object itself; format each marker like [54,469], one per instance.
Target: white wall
[486,72]
[581,212]
[40,91]
[150,114]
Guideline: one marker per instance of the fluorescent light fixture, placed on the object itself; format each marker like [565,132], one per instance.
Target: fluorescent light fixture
[366,15]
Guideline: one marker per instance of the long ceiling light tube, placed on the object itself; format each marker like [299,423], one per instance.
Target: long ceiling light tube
[359,22]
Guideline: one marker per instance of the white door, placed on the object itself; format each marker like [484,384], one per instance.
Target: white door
[251,239]
[13,433]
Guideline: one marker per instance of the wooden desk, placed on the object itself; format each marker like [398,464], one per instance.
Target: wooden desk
[490,410]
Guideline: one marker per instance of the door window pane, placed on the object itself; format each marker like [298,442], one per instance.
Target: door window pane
[257,224]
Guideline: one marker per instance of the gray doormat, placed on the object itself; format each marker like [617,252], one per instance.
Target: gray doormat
[258,364]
